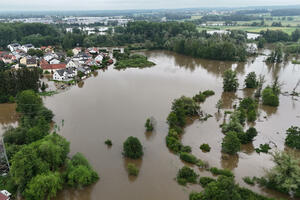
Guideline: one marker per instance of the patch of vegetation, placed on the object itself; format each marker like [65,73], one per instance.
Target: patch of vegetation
[263,148]
[132,148]
[186,175]
[204,181]
[149,125]
[134,61]
[224,172]
[248,136]
[208,93]
[296,62]
[293,137]
[248,180]
[108,142]
[231,143]
[189,158]
[284,176]
[224,188]
[132,169]
[48,93]
[230,81]
[205,147]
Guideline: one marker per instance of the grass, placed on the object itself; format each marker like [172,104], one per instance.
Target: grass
[48,93]
[296,62]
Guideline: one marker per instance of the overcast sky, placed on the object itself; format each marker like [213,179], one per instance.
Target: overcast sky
[131,4]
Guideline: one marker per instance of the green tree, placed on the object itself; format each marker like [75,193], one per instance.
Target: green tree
[79,176]
[28,103]
[231,143]
[251,80]
[293,137]
[230,81]
[269,97]
[44,186]
[132,148]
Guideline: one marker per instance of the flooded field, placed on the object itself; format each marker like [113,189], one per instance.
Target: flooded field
[115,104]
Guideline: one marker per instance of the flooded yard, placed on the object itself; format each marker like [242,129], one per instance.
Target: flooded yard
[115,105]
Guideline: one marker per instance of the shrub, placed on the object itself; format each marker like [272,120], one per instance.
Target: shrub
[186,149]
[224,172]
[230,81]
[202,164]
[269,97]
[199,97]
[231,143]
[248,180]
[108,142]
[251,80]
[132,169]
[11,99]
[149,125]
[263,148]
[205,147]
[132,148]
[293,137]
[204,181]
[187,157]
[173,144]
[208,93]
[186,175]
[195,196]
[79,176]
[234,125]
[247,137]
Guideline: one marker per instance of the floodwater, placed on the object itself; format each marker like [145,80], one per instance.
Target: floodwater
[115,104]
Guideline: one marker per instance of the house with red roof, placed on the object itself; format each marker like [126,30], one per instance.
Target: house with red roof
[52,67]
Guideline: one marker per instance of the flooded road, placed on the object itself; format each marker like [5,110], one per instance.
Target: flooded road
[115,105]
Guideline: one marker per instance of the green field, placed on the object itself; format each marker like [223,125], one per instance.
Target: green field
[250,29]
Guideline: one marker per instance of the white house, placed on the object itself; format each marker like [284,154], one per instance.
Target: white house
[26,47]
[71,72]
[76,51]
[14,46]
[73,64]
[60,75]
[99,58]
[50,56]
[54,61]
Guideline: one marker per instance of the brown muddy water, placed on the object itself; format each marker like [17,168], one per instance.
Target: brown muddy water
[115,104]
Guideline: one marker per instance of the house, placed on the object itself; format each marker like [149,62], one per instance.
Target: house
[54,61]
[91,62]
[73,64]
[84,70]
[4,195]
[60,75]
[71,72]
[8,58]
[14,46]
[26,47]
[52,68]
[76,51]
[99,58]
[50,56]
[29,61]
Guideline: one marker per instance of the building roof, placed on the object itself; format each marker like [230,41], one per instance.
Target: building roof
[61,72]
[3,197]
[53,66]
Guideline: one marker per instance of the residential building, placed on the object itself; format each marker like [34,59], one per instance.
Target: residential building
[26,47]
[76,51]
[52,68]
[54,61]
[14,46]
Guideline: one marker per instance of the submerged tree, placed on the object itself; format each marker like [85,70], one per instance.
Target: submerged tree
[132,148]
[231,143]
[230,81]
[251,80]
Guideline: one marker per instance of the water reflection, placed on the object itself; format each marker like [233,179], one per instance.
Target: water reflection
[229,99]
[248,148]
[229,161]
[138,163]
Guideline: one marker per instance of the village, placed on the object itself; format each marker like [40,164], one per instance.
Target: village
[63,66]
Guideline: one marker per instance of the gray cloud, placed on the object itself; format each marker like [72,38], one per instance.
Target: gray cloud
[132,4]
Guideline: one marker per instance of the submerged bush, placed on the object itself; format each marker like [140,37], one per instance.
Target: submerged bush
[230,81]
[205,147]
[263,148]
[187,157]
[251,80]
[231,143]
[208,93]
[132,148]
[108,142]
[186,175]
[224,172]
[248,180]
[269,98]
[293,137]
[149,125]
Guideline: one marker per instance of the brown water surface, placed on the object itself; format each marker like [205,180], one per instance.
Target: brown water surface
[115,104]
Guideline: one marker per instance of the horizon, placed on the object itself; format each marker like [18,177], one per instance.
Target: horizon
[119,5]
